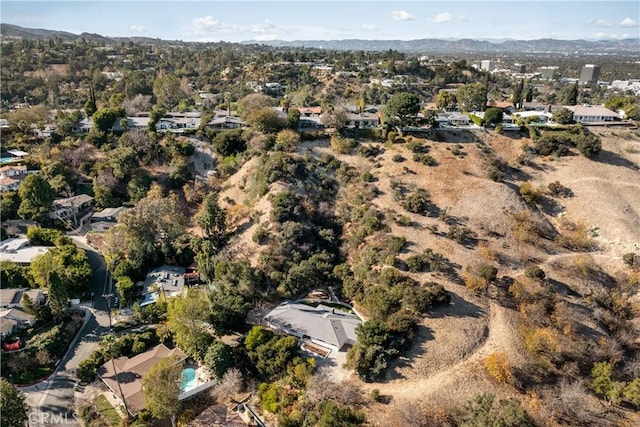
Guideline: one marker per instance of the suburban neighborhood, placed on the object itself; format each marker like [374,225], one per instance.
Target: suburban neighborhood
[269,234]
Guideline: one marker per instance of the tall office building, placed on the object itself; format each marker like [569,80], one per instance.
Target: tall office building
[487,65]
[590,73]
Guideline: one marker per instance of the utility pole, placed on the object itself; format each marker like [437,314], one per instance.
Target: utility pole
[113,363]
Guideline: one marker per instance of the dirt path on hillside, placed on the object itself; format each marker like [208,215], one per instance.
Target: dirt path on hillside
[460,381]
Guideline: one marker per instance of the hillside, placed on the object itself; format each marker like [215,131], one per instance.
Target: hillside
[578,240]
[430,46]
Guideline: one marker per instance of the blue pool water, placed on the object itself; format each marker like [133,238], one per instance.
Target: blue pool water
[8,159]
[188,379]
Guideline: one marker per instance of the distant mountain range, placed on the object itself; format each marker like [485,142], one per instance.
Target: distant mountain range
[426,46]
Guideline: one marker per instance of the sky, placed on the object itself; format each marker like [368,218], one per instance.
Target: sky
[243,20]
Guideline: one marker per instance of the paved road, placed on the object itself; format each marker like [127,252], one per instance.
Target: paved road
[52,402]
[99,283]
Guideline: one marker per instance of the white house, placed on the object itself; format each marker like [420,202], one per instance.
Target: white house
[592,114]
[19,251]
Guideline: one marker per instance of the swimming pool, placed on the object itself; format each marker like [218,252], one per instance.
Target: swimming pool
[189,380]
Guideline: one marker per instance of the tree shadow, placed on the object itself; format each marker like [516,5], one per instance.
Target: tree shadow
[458,308]
[614,159]
[422,335]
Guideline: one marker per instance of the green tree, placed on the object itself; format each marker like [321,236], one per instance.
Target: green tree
[287,140]
[187,317]
[168,91]
[229,142]
[472,97]
[493,116]
[58,296]
[266,120]
[104,118]
[218,359]
[446,100]
[212,219]
[570,94]
[12,275]
[13,406]
[254,102]
[563,116]
[403,106]
[484,411]
[36,198]
[10,205]
[518,94]
[603,384]
[161,388]
[126,289]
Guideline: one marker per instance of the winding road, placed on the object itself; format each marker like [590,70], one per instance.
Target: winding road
[52,401]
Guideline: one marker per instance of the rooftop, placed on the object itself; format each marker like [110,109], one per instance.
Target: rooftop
[168,279]
[131,371]
[322,323]
[18,251]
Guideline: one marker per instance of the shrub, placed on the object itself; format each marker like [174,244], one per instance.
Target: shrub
[398,158]
[631,259]
[499,368]
[425,159]
[589,146]
[534,272]
[342,145]
[529,195]
[416,263]
[487,272]
[417,202]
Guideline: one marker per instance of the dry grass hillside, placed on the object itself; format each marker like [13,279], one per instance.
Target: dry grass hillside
[577,238]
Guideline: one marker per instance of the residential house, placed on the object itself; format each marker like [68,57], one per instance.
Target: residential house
[71,206]
[129,372]
[19,251]
[23,319]
[166,280]
[592,114]
[83,126]
[7,327]
[12,176]
[322,325]
[10,297]
[452,119]
[219,416]
[362,120]
[105,219]
[225,122]
[535,117]
[534,106]
[13,297]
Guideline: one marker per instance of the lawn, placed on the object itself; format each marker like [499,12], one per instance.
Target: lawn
[108,413]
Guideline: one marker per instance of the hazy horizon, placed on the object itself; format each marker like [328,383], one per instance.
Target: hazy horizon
[260,21]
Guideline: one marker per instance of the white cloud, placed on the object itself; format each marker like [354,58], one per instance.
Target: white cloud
[369,27]
[628,22]
[441,17]
[401,15]
[138,29]
[207,24]
[599,23]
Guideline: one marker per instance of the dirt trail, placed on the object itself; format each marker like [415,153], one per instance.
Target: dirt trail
[502,337]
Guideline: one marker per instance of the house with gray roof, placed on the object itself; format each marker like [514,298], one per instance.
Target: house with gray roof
[326,326]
